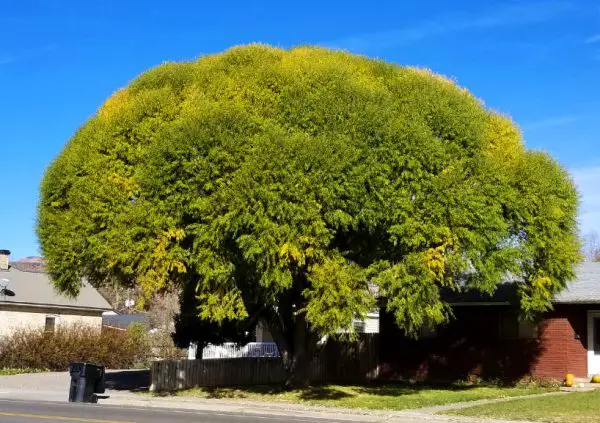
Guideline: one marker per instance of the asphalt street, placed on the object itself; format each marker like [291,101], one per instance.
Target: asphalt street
[12,411]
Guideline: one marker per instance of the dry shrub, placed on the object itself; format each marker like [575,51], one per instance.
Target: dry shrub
[37,349]
[163,347]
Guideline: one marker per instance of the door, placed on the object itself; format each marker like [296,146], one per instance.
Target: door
[593,325]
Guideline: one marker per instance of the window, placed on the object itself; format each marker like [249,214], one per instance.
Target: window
[360,326]
[596,335]
[528,330]
[50,324]
[509,326]
[513,328]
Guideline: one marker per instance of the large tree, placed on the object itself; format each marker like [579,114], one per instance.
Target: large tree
[282,185]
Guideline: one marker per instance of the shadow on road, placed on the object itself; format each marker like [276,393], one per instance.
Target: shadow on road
[128,380]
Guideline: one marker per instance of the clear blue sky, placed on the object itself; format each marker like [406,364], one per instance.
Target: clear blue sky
[537,60]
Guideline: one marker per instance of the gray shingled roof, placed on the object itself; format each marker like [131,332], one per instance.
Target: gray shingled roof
[585,288]
[36,289]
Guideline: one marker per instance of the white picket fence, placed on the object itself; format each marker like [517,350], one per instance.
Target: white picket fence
[232,350]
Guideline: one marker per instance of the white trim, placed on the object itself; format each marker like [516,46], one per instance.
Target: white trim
[591,357]
[52,306]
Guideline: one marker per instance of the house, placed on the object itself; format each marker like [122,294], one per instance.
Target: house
[370,324]
[486,338]
[28,300]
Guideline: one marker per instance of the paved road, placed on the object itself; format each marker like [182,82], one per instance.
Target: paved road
[48,412]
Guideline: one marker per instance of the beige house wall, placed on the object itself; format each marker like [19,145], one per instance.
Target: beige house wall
[14,318]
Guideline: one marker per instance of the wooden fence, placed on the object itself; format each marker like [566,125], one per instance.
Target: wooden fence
[338,362]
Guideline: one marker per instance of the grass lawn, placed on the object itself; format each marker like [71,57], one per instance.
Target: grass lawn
[392,396]
[573,408]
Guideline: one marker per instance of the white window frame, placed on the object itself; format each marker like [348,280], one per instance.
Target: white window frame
[54,323]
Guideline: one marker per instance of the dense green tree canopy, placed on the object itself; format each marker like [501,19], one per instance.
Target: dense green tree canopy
[284,185]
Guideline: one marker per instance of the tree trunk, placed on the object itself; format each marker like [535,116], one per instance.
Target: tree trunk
[297,373]
[296,347]
[200,350]
[296,342]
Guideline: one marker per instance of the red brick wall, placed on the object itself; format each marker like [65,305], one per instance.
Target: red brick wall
[563,335]
[471,345]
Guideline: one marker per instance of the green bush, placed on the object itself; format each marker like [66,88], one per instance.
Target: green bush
[37,349]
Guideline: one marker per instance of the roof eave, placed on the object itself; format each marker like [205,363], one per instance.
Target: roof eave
[594,300]
[577,301]
[56,306]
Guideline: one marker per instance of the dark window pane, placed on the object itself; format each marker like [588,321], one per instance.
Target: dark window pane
[596,335]
[50,324]
[528,330]
[509,326]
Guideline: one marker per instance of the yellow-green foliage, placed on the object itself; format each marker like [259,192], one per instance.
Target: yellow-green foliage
[282,182]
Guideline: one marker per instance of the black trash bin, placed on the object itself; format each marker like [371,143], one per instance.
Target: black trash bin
[86,381]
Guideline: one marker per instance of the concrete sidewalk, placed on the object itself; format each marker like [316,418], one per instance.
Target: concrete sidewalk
[53,387]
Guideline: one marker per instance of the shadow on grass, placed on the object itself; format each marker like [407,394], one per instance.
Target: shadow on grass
[313,393]
[406,388]
[232,392]
[324,393]
[327,392]
[241,392]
